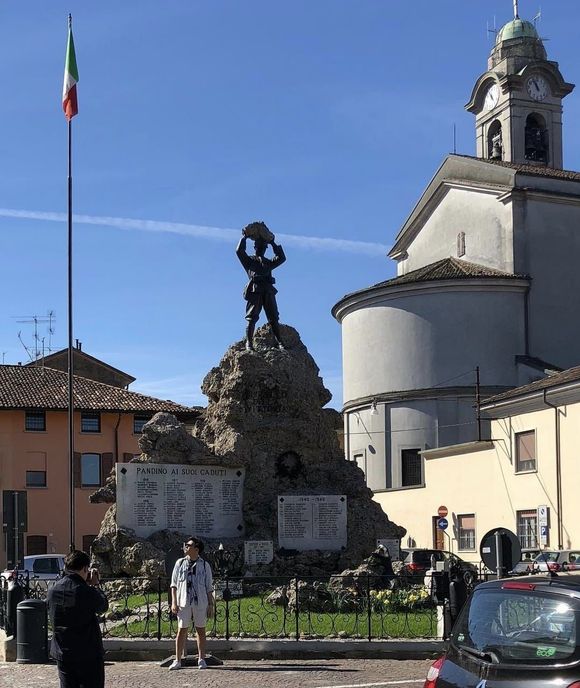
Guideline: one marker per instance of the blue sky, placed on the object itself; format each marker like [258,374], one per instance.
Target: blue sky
[324,118]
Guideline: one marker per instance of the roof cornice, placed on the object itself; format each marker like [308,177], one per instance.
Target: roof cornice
[362,403]
[377,294]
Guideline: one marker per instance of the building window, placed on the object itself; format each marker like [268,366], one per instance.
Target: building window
[90,470]
[411,468]
[537,139]
[35,421]
[36,544]
[138,423]
[460,244]
[90,422]
[494,141]
[527,526]
[525,451]
[466,531]
[35,478]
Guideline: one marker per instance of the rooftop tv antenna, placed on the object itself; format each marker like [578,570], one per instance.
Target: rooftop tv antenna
[39,347]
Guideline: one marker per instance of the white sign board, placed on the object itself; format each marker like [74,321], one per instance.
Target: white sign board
[307,522]
[392,546]
[194,500]
[543,516]
[258,552]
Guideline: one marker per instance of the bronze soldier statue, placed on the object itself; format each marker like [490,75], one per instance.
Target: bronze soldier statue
[260,291]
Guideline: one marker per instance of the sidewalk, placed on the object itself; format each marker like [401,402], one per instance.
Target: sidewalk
[347,673]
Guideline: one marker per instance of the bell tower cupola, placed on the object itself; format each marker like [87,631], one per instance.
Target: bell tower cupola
[517,103]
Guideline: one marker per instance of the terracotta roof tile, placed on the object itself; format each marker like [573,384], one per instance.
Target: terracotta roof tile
[46,388]
[445,269]
[534,170]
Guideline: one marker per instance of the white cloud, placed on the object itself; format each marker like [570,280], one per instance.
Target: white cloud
[201,231]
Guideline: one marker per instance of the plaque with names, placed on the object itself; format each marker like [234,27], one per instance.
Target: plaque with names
[258,552]
[194,500]
[392,546]
[307,522]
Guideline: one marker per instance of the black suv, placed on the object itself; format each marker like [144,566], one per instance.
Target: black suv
[416,563]
[515,633]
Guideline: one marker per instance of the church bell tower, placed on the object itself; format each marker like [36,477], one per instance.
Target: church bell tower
[517,103]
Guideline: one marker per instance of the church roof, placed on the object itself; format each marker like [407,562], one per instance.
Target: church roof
[533,170]
[449,269]
[517,28]
[478,173]
[446,269]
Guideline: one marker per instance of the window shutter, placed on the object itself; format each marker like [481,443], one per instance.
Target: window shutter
[77,469]
[127,457]
[107,463]
[36,544]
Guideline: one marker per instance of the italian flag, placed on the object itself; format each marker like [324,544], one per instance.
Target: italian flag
[71,77]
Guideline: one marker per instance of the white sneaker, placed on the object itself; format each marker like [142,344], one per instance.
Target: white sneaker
[176,664]
[201,664]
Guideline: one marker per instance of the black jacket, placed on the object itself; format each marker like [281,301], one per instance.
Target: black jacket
[73,606]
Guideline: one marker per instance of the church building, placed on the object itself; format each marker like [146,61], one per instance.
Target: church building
[487,287]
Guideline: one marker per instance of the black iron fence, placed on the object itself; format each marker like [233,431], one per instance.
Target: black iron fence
[366,607]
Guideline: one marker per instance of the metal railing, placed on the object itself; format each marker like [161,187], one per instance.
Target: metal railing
[366,607]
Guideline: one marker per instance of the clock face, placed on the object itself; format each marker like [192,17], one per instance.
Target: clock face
[537,87]
[491,97]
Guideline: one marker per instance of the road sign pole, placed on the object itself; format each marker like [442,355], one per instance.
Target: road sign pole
[498,554]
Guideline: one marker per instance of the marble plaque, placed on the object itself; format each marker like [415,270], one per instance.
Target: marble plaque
[307,522]
[258,552]
[392,546]
[194,500]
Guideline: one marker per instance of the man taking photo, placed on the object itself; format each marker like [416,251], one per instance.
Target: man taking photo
[73,604]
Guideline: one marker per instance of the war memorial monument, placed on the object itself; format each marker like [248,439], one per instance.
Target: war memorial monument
[261,472]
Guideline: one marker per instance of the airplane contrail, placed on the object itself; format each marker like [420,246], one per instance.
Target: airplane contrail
[200,231]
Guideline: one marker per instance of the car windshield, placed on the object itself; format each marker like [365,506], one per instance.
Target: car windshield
[423,558]
[517,626]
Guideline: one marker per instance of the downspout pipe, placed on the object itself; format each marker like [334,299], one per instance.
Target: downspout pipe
[558,470]
[117,438]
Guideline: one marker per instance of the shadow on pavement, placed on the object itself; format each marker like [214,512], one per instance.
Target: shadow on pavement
[291,667]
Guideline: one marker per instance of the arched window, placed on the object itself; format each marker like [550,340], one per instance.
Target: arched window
[494,141]
[537,143]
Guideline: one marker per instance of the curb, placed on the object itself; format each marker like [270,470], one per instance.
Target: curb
[126,649]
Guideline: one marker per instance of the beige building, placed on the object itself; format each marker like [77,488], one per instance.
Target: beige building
[527,471]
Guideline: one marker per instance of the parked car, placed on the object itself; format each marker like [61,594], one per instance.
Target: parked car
[526,563]
[416,562]
[523,633]
[557,560]
[39,567]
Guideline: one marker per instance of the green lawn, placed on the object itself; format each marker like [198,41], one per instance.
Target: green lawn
[252,617]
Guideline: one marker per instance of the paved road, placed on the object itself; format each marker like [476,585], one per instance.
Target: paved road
[331,673]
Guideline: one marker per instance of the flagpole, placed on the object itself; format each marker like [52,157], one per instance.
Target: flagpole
[71,451]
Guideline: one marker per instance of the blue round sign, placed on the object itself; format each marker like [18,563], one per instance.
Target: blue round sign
[442,524]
